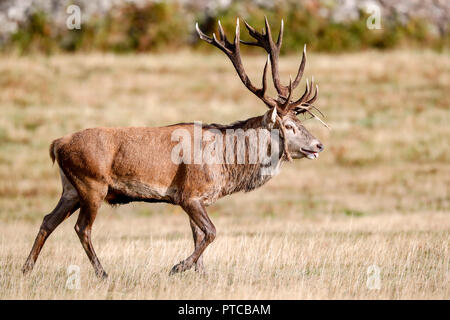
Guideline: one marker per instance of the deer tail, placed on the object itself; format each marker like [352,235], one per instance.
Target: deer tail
[52,151]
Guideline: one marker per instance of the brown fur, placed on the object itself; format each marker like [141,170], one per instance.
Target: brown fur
[121,165]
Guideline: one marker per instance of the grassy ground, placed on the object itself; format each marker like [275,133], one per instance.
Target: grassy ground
[379,193]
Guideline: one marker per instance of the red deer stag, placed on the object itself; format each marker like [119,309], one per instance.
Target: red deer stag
[121,165]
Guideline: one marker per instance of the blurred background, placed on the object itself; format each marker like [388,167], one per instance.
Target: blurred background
[379,193]
[142,25]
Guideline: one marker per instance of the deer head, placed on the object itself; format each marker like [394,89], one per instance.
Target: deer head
[283,109]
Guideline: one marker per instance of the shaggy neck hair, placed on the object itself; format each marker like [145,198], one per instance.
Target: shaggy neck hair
[247,176]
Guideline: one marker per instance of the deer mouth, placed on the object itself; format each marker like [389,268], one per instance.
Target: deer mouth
[310,154]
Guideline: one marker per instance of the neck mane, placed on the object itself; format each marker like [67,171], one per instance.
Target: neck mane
[247,176]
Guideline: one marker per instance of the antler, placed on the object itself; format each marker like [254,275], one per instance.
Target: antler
[283,102]
[232,50]
[264,40]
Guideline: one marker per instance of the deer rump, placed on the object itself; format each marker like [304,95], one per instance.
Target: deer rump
[135,163]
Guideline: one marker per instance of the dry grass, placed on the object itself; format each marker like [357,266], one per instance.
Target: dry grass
[379,194]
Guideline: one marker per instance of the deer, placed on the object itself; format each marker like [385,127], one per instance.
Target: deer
[126,164]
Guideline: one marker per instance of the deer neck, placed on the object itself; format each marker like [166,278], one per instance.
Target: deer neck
[250,175]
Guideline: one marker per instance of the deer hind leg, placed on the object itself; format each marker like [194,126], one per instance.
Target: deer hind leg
[68,204]
[197,212]
[90,203]
[198,236]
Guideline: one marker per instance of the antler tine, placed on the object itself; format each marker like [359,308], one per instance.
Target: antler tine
[312,86]
[264,78]
[304,96]
[280,34]
[285,106]
[268,32]
[237,38]
[214,41]
[222,34]
[310,101]
[301,68]
[202,35]
[310,91]
[274,51]
[232,50]
[256,35]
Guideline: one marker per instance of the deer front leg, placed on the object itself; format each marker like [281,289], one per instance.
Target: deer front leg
[198,236]
[197,213]
[91,195]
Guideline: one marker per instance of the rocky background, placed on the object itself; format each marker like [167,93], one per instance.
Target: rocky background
[21,20]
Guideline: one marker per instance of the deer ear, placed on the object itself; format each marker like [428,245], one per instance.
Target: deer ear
[270,117]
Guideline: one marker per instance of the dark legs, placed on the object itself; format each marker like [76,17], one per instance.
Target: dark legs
[63,210]
[83,228]
[88,197]
[89,201]
[198,236]
[198,215]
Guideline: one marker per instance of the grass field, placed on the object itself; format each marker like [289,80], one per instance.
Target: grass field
[378,195]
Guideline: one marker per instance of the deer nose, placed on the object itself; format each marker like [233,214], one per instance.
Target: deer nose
[320,147]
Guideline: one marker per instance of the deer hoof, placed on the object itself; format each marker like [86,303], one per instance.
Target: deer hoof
[180,267]
[102,275]
[27,267]
[176,269]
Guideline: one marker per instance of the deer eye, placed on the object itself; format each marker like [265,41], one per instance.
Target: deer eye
[288,127]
